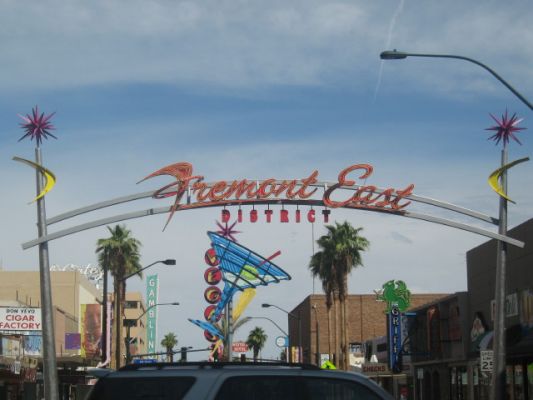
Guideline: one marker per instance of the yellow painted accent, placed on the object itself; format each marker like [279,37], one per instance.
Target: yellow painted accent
[49,177]
[215,348]
[83,314]
[244,299]
[495,176]
[328,365]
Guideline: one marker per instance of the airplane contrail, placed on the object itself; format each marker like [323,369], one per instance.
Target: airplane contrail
[388,43]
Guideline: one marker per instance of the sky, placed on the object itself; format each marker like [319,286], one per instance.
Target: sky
[256,89]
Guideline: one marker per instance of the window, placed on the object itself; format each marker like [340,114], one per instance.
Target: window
[293,388]
[172,388]
[131,304]
[260,388]
[337,389]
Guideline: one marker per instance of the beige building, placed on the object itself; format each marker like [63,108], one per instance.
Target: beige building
[70,290]
[71,293]
[135,317]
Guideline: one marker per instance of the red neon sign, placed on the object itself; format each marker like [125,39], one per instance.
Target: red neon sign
[245,191]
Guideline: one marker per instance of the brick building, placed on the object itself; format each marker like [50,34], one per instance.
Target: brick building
[366,320]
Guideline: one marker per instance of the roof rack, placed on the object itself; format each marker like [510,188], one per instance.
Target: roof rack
[216,365]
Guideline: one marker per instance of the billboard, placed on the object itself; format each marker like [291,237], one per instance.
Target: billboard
[91,330]
[152,286]
[20,319]
[33,345]
[72,341]
[10,347]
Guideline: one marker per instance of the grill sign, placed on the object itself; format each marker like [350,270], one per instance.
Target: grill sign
[20,319]
[395,339]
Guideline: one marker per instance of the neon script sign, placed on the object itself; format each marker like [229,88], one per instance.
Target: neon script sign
[245,191]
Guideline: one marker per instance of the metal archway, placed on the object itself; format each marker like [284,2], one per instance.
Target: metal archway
[191,191]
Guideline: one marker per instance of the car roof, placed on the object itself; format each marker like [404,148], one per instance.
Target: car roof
[210,372]
[199,365]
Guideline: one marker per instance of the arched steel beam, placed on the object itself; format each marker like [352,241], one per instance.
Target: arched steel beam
[318,203]
[325,185]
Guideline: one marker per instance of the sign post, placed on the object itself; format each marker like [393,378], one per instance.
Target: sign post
[151,319]
[486,360]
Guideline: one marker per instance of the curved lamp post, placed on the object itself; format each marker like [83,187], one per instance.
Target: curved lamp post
[118,309]
[499,370]
[277,326]
[281,330]
[400,55]
[267,305]
[169,261]
[317,335]
[134,323]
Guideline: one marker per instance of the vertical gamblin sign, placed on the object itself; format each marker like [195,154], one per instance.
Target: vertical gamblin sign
[395,339]
[152,286]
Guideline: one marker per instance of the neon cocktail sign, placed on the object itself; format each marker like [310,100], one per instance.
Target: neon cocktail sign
[244,191]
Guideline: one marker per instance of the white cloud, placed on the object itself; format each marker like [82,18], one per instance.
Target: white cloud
[243,44]
[240,45]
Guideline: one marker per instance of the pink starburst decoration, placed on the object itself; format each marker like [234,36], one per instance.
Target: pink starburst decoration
[37,126]
[505,129]
[227,230]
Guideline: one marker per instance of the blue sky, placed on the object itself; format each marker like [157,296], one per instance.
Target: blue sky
[256,90]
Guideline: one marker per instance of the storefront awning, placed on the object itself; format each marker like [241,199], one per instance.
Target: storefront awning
[523,348]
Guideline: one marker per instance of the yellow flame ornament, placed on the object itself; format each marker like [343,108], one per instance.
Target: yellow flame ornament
[496,175]
[49,177]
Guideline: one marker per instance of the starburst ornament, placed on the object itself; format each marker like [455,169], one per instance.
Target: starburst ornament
[227,230]
[37,126]
[505,129]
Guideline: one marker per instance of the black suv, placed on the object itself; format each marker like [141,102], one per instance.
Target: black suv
[232,381]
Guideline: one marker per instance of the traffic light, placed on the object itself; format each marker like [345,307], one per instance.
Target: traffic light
[183,354]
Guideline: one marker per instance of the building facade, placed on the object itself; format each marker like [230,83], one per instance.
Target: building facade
[76,314]
[366,320]
[135,319]
[452,338]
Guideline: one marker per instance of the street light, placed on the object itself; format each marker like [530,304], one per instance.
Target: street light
[277,326]
[282,331]
[118,311]
[499,350]
[134,323]
[169,261]
[400,55]
[266,305]
[317,335]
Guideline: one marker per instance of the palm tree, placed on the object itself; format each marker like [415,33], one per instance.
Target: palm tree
[349,245]
[256,340]
[320,267]
[169,342]
[341,253]
[119,254]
